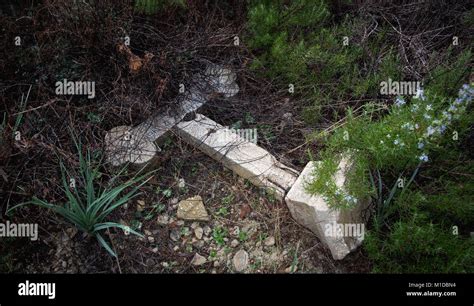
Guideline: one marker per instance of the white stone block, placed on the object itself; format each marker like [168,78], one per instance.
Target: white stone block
[341,230]
[241,156]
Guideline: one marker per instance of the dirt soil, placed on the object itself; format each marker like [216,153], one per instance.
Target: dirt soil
[241,219]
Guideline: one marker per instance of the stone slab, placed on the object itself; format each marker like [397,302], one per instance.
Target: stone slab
[241,156]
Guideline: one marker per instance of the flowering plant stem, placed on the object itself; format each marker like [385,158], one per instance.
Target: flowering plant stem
[382,205]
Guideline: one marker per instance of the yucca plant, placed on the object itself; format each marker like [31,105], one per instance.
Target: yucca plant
[88,204]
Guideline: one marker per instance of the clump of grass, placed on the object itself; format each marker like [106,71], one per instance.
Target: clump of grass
[418,242]
[89,205]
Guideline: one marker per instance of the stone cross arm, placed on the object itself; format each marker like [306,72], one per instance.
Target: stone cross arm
[126,144]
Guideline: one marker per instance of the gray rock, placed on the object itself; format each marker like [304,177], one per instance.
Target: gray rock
[250,227]
[181,183]
[269,241]
[199,244]
[198,260]
[234,243]
[207,230]
[198,232]
[240,260]
[163,219]
[235,231]
[175,235]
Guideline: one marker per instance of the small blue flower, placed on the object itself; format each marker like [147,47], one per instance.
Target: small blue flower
[414,108]
[430,130]
[427,117]
[423,157]
[421,145]
[442,129]
[349,198]
[465,90]
[447,115]
[399,101]
[428,107]
[420,94]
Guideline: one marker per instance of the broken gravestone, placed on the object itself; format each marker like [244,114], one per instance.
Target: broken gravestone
[136,145]
[238,154]
[341,230]
[125,144]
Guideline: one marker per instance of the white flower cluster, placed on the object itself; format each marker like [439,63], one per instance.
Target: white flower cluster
[399,101]
[411,127]
[341,195]
[437,127]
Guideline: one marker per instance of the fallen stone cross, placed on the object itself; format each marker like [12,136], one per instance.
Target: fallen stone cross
[135,145]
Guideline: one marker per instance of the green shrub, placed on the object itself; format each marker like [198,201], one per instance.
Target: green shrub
[449,196]
[414,244]
[401,140]
[414,227]
[445,79]
[299,44]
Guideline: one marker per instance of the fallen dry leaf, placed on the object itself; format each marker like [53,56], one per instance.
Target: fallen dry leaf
[244,211]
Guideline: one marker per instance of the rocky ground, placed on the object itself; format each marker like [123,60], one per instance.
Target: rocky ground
[233,227]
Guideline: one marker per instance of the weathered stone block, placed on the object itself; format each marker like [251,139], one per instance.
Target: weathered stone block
[341,230]
[241,156]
